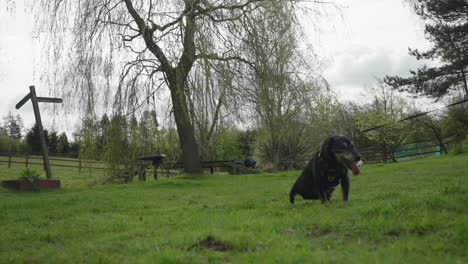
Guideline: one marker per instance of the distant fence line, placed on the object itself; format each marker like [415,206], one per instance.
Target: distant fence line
[82,164]
[413,150]
[371,155]
[37,160]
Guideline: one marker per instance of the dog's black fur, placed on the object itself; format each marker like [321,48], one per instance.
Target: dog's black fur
[328,167]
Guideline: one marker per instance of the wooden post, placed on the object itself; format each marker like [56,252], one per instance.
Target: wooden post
[155,168]
[37,115]
[27,160]
[9,160]
[79,163]
[141,172]
[35,102]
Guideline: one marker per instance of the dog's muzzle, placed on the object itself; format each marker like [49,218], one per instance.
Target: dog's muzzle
[354,165]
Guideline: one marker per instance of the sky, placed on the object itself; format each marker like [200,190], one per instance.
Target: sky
[368,40]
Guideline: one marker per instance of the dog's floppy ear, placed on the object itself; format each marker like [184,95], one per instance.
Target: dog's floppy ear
[326,146]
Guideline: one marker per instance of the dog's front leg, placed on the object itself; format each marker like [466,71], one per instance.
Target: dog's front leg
[345,186]
[323,196]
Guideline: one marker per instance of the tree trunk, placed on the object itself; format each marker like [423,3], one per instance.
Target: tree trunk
[185,129]
[176,78]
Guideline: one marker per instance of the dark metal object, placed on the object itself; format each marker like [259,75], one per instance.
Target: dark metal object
[35,100]
[49,100]
[156,160]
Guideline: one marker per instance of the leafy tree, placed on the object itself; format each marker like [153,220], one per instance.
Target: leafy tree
[74,148]
[383,114]
[3,131]
[346,122]
[447,28]
[63,146]
[246,141]
[116,149]
[89,138]
[433,127]
[387,138]
[455,121]
[33,138]
[227,146]
[277,93]
[8,145]
[324,116]
[209,85]
[102,127]
[167,142]
[134,141]
[13,126]
[149,132]
[53,142]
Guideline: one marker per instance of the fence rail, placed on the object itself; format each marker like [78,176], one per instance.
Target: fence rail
[371,155]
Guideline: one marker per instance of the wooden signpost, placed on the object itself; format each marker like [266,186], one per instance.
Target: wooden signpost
[35,102]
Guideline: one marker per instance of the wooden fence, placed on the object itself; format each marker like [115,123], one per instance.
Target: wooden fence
[28,160]
[371,155]
[411,151]
[167,168]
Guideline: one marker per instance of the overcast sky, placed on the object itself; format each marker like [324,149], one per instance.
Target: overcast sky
[370,40]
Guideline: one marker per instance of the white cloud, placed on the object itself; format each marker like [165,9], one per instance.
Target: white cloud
[371,41]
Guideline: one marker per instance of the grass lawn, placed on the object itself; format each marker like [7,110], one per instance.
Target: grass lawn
[410,212]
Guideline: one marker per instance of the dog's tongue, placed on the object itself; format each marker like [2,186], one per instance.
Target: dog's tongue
[353,167]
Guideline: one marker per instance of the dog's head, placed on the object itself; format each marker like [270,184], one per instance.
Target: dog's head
[343,150]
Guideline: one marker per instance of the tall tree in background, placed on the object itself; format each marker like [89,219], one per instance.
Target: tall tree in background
[33,139]
[447,28]
[385,110]
[63,146]
[53,142]
[102,127]
[276,91]
[13,126]
[209,85]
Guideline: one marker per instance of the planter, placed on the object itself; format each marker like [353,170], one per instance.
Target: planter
[25,184]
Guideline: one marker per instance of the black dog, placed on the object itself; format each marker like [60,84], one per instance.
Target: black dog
[327,169]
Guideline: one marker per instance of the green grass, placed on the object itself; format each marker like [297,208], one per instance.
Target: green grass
[410,212]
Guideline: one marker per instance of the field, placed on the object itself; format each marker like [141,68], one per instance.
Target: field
[409,212]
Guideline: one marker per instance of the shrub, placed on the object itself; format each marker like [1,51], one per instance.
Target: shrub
[30,174]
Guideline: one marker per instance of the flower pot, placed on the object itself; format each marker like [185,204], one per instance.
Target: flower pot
[26,184]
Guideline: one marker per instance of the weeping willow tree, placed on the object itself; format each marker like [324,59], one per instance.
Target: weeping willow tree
[119,52]
[116,150]
[208,94]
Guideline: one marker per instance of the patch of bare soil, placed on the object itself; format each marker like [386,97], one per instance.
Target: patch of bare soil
[212,243]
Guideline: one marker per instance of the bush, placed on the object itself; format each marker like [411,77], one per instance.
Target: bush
[228,146]
[9,145]
[30,174]
[456,122]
